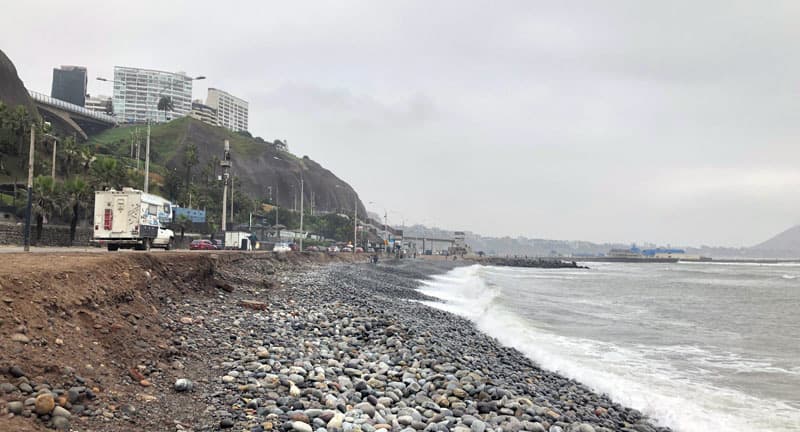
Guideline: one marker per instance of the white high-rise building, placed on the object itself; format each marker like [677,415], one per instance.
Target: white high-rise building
[137,92]
[232,112]
[102,104]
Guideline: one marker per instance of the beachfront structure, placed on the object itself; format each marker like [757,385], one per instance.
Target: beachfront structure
[459,239]
[232,112]
[137,92]
[204,113]
[69,84]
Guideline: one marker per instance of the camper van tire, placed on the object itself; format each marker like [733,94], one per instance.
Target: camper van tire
[113,247]
[169,244]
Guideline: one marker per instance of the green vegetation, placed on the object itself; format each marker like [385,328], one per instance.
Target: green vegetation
[183,168]
[15,129]
[165,104]
[79,171]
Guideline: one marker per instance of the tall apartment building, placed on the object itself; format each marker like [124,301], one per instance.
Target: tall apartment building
[137,92]
[101,104]
[69,84]
[204,113]
[232,112]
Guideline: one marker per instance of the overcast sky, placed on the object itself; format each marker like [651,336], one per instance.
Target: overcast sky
[674,122]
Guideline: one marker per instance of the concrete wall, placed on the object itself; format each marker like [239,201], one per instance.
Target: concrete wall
[52,235]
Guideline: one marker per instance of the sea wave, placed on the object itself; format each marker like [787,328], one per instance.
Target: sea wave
[642,377]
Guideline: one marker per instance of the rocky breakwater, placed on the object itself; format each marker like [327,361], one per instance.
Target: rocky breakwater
[529,262]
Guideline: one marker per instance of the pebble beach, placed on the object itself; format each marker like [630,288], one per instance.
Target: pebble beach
[341,347]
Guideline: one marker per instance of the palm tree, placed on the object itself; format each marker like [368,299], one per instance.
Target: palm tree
[78,195]
[165,104]
[107,173]
[70,156]
[183,222]
[48,200]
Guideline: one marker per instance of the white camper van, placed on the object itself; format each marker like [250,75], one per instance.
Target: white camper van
[131,218]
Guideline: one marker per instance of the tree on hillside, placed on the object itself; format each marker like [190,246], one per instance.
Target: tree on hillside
[183,222]
[190,160]
[74,159]
[78,196]
[15,127]
[48,200]
[172,185]
[165,104]
[108,173]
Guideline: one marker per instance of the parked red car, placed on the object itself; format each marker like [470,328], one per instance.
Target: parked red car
[202,245]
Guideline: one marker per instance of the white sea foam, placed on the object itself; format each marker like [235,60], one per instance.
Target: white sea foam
[642,376]
[746,264]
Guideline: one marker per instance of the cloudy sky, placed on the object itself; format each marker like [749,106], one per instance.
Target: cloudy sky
[673,122]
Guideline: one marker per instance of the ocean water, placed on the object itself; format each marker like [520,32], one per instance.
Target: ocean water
[696,346]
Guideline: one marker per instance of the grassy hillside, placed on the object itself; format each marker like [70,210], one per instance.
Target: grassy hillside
[260,167]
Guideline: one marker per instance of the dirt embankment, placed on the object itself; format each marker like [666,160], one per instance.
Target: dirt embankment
[78,326]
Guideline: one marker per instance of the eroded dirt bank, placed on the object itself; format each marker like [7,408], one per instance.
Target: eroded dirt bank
[97,329]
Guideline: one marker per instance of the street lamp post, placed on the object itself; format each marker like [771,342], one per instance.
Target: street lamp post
[55,144]
[355,222]
[385,224]
[226,164]
[302,233]
[27,235]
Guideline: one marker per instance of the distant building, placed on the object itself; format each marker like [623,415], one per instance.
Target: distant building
[101,104]
[232,112]
[69,84]
[459,246]
[624,253]
[459,239]
[204,113]
[137,92]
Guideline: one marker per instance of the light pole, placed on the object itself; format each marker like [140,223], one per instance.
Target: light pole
[385,224]
[226,164]
[55,144]
[27,242]
[147,144]
[302,233]
[355,218]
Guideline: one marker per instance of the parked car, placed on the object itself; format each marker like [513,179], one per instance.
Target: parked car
[294,246]
[333,249]
[312,249]
[359,249]
[347,249]
[218,244]
[281,247]
[202,245]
